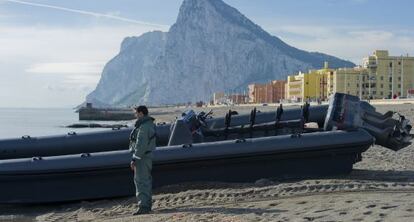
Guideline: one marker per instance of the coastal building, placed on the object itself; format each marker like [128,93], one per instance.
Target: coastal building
[238,99]
[353,81]
[294,87]
[256,92]
[222,98]
[219,98]
[389,76]
[381,76]
[311,86]
[278,90]
[272,92]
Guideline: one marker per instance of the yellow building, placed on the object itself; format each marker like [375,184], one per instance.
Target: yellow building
[294,87]
[353,81]
[311,86]
[382,76]
[389,76]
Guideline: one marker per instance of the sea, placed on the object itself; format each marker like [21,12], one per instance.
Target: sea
[38,122]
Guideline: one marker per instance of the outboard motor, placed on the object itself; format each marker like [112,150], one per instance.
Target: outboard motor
[180,134]
[191,119]
[347,112]
[187,129]
[183,128]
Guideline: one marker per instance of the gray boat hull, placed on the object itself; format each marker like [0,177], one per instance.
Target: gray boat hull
[107,174]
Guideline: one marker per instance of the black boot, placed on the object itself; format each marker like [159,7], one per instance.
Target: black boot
[142,210]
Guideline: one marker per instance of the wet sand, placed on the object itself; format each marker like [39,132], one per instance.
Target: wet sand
[381,188]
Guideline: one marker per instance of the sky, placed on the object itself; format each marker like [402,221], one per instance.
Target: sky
[52,52]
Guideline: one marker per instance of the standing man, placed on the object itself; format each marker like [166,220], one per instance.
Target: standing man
[142,143]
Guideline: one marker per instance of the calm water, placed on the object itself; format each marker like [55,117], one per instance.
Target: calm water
[15,123]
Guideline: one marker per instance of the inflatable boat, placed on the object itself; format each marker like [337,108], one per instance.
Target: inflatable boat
[107,174]
[195,151]
[118,139]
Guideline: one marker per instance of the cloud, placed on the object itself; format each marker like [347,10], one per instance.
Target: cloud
[95,14]
[61,45]
[56,66]
[62,52]
[67,68]
[62,88]
[73,75]
[373,35]
[345,41]
[78,79]
[304,31]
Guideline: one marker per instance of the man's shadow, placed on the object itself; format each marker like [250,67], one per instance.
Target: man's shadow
[356,174]
[382,175]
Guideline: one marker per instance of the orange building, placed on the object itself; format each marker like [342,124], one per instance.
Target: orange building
[278,90]
[271,92]
[238,99]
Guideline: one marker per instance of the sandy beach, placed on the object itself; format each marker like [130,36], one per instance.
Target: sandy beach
[381,188]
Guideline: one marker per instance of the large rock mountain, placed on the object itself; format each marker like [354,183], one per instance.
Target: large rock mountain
[212,47]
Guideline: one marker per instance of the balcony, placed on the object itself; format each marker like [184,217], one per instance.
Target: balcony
[371,65]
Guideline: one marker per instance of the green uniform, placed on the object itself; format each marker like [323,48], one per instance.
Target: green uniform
[141,146]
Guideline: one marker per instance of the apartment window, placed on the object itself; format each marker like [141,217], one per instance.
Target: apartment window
[382,86]
[390,64]
[357,85]
[348,84]
[363,93]
[381,93]
[390,87]
[357,92]
[399,78]
[399,63]
[390,79]
[399,86]
[374,92]
[382,78]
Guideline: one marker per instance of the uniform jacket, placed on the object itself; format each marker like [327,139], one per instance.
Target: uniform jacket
[142,138]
